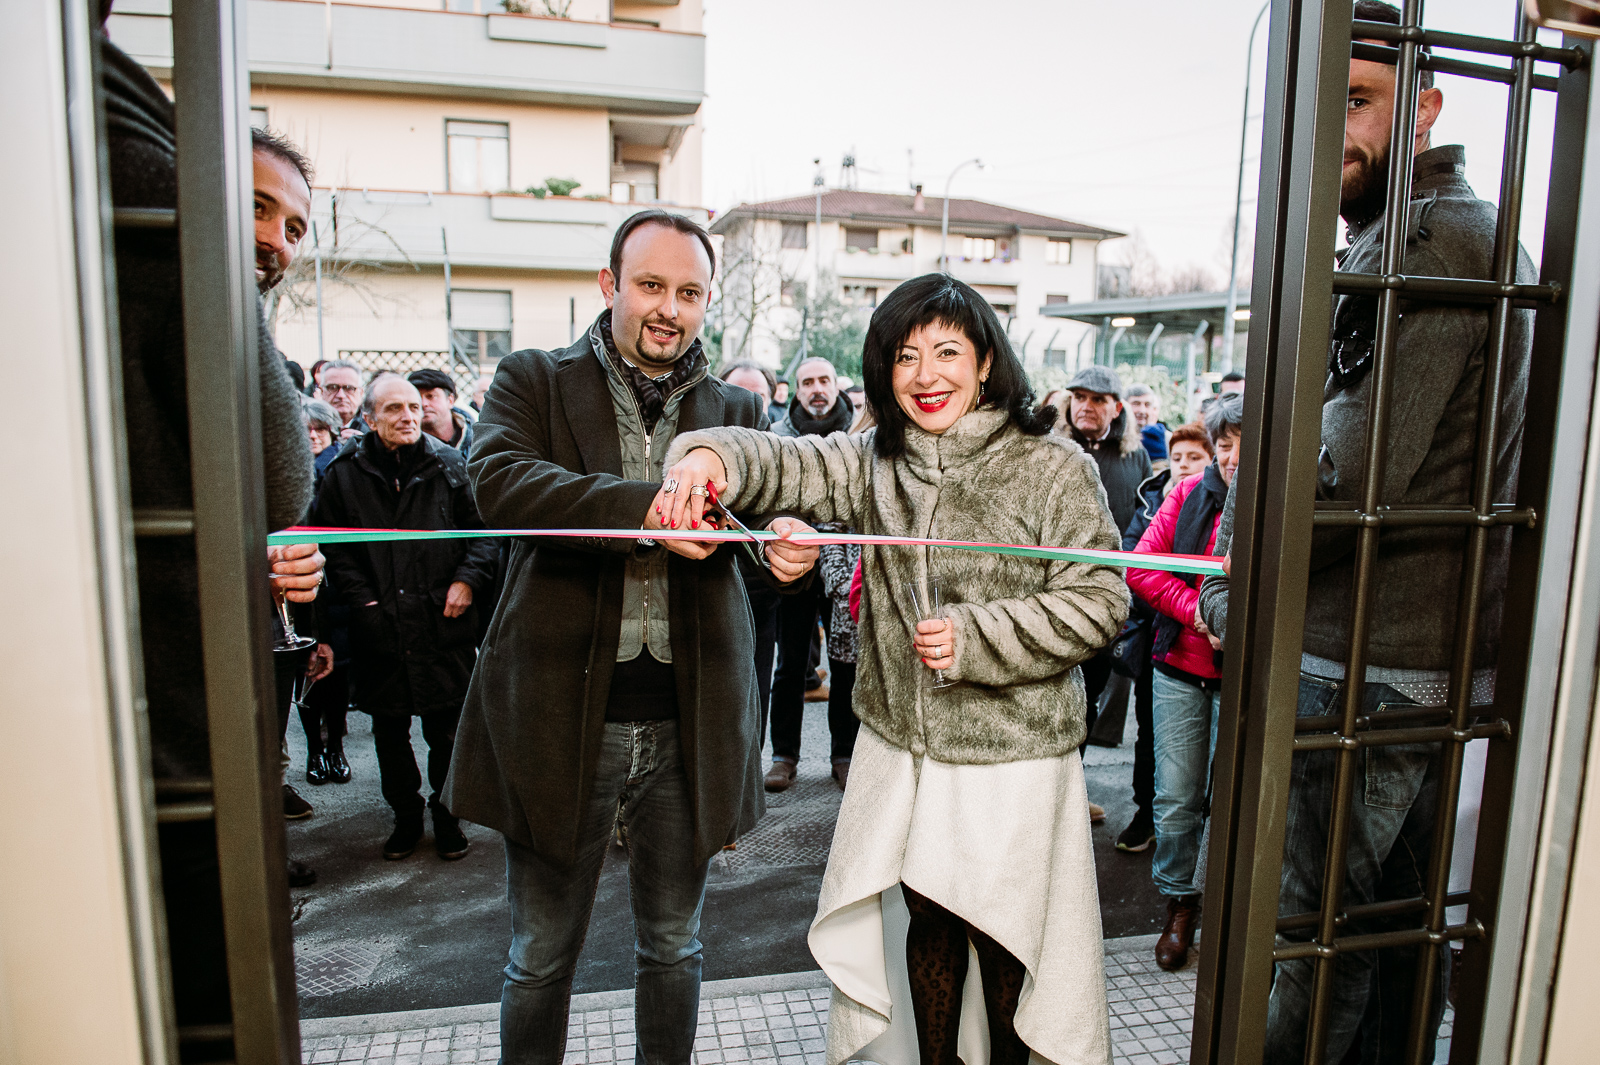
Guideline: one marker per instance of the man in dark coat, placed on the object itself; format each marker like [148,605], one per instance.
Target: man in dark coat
[819,408]
[615,687]
[413,625]
[1101,425]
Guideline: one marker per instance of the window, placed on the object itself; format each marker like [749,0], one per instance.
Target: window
[480,323]
[258,117]
[860,295]
[1004,310]
[1058,251]
[977,249]
[794,234]
[478,156]
[861,239]
[1059,297]
[636,182]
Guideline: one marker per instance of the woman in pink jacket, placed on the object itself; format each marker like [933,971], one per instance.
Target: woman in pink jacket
[1187,681]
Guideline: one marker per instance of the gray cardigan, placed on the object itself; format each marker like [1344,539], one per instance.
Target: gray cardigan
[1022,625]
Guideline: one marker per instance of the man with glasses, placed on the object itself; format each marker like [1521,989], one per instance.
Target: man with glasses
[614,694]
[342,388]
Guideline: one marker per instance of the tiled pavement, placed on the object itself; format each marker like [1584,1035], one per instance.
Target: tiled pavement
[765,1020]
[773,1020]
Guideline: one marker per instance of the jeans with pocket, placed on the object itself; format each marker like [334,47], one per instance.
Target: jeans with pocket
[640,785]
[1391,830]
[1184,728]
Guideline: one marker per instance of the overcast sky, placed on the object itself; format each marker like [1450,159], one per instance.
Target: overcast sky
[1122,114]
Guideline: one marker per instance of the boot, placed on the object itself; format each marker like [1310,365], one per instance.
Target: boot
[448,839]
[405,837]
[1172,949]
[780,776]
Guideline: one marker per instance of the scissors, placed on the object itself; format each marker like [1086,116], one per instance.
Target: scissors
[755,548]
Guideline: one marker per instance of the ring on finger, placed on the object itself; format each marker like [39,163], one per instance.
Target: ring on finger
[671,487]
[699,490]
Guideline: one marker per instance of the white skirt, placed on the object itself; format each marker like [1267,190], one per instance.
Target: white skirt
[1004,846]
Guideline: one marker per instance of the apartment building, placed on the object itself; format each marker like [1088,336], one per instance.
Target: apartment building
[869,242]
[472,162]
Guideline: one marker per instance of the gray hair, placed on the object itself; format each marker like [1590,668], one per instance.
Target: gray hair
[1224,416]
[367,397]
[318,413]
[343,364]
[1137,390]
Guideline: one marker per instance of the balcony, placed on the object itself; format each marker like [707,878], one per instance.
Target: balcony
[514,58]
[507,232]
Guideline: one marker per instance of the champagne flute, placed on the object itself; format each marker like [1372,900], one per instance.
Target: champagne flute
[288,641]
[925,597]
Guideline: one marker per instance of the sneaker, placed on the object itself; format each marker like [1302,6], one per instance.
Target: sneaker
[404,839]
[294,807]
[1140,833]
[1097,813]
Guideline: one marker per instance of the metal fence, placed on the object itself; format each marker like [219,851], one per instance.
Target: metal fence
[405,362]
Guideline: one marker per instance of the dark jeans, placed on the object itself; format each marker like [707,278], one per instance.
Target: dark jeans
[764,603]
[1144,744]
[843,725]
[1391,830]
[797,621]
[397,764]
[641,785]
[1096,672]
[326,705]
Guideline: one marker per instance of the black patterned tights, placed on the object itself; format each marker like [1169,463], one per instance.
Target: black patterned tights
[936,960]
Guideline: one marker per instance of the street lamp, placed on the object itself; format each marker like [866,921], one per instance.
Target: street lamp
[944,225]
[1229,317]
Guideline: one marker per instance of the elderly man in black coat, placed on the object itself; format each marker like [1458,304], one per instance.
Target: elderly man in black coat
[615,687]
[413,620]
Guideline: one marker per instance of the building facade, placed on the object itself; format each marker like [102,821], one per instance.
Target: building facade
[472,162]
[869,242]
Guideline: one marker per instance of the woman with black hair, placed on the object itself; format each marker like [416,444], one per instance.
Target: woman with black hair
[965,821]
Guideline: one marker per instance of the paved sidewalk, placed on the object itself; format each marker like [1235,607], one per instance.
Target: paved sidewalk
[770,1020]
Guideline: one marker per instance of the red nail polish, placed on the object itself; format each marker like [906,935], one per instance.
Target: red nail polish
[695,523]
[674,523]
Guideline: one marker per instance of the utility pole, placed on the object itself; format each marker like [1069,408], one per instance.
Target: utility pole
[816,252]
[1238,194]
[944,224]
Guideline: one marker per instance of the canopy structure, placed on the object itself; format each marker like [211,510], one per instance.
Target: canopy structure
[1126,328]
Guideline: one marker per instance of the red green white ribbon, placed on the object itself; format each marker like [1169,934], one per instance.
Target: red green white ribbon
[1207,565]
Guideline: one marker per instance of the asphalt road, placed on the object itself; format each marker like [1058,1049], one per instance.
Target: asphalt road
[374,936]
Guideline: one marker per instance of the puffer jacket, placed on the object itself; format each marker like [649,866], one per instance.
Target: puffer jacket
[1022,625]
[1170,593]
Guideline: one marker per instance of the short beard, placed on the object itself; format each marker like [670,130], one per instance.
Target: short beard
[1364,192]
[271,278]
[661,363]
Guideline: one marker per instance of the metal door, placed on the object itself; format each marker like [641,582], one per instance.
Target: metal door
[1259,735]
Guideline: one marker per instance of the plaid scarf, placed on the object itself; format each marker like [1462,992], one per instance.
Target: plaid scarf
[651,392]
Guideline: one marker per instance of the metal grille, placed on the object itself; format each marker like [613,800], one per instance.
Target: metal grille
[405,362]
[1261,742]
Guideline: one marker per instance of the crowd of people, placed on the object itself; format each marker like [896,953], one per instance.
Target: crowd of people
[580,692]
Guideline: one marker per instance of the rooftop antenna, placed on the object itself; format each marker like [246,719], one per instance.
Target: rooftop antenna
[847,170]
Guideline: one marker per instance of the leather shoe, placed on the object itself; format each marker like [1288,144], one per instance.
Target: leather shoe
[338,766]
[841,772]
[1172,949]
[294,807]
[404,839]
[317,768]
[301,874]
[818,694]
[780,776]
